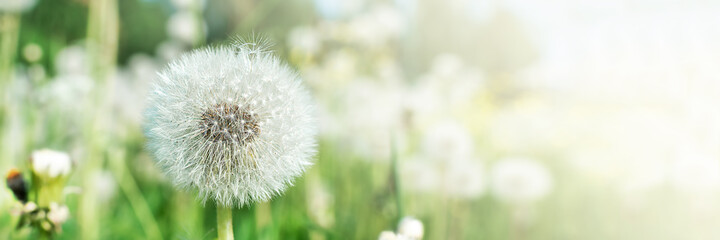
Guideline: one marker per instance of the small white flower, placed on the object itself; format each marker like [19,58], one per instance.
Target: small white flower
[58,214]
[234,123]
[520,180]
[29,207]
[51,164]
[411,227]
[387,235]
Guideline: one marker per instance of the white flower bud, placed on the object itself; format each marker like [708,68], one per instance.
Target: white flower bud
[50,164]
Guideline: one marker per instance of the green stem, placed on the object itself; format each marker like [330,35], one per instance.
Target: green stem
[102,38]
[224,221]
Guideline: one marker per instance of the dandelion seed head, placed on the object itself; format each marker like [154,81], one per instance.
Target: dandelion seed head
[215,126]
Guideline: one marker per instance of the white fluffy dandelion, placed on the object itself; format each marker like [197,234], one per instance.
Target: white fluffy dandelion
[233,123]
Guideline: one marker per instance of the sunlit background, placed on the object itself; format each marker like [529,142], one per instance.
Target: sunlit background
[483,119]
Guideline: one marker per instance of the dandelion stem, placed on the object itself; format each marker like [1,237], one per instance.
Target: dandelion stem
[224,221]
